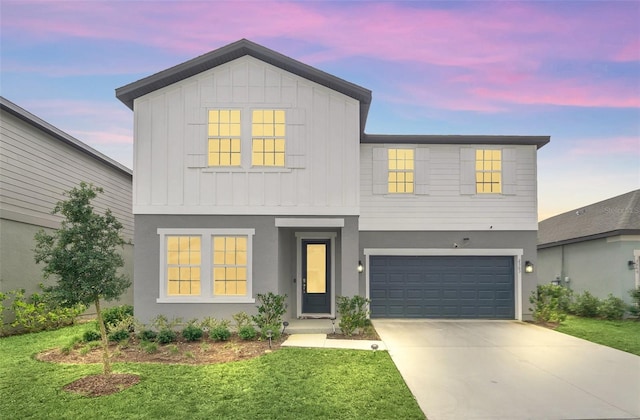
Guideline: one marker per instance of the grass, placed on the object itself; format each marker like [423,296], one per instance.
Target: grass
[621,335]
[290,383]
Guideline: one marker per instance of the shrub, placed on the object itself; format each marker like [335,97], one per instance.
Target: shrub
[276,332]
[634,308]
[149,347]
[91,335]
[611,308]
[166,336]
[242,319]
[550,303]
[118,335]
[147,335]
[162,323]
[220,333]
[586,305]
[116,314]
[210,323]
[247,332]
[353,313]
[192,333]
[270,311]
[41,311]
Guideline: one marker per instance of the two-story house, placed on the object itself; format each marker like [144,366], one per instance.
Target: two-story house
[253,173]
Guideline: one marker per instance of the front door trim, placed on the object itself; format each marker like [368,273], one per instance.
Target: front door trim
[300,236]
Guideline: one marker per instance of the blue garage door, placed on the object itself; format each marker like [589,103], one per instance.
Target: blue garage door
[442,287]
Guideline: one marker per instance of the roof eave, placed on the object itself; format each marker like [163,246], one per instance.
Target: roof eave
[595,236]
[538,141]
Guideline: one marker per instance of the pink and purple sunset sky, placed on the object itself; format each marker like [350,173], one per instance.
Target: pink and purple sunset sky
[568,69]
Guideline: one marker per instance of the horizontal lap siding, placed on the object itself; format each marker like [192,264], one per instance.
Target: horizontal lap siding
[444,207]
[442,287]
[37,168]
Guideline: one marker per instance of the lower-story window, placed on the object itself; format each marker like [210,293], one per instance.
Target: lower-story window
[205,265]
[230,265]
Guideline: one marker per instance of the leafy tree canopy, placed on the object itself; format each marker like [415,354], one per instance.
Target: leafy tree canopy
[82,254]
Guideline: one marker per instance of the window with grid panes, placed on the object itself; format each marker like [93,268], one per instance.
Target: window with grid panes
[268,137]
[224,130]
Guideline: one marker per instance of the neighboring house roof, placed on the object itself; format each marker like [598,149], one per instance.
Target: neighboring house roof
[616,216]
[233,51]
[13,109]
[538,141]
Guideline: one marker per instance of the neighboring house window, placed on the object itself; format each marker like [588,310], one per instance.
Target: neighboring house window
[489,171]
[268,137]
[401,170]
[229,265]
[224,137]
[206,265]
[183,265]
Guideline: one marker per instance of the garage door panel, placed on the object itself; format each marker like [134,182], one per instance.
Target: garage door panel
[442,287]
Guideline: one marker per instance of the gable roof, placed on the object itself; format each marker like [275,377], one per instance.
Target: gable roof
[616,216]
[233,51]
[13,109]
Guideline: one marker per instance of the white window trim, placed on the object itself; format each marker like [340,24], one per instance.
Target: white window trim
[206,267]
[516,253]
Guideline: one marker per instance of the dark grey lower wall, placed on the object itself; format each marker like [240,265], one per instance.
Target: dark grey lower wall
[274,263]
[18,269]
[445,240]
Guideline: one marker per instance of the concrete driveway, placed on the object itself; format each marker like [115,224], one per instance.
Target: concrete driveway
[510,370]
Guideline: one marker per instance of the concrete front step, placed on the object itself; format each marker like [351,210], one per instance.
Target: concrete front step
[312,326]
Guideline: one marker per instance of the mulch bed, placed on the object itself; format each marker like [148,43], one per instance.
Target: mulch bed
[99,385]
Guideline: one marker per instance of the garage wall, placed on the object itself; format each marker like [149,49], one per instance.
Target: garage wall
[599,266]
[444,240]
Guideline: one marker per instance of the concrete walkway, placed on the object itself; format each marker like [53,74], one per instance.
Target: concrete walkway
[510,370]
[321,340]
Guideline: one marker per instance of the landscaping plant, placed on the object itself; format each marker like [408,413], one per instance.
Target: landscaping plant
[83,256]
[611,308]
[586,305]
[41,312]
[192,332]
[270,311]
[550,303]
[634,308]
[353,313]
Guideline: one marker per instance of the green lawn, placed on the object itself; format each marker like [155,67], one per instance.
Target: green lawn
[621,335]
[287,384]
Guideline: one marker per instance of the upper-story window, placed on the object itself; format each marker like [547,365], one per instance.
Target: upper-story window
[268,137]
[224,137]
[489,171]
[401,171]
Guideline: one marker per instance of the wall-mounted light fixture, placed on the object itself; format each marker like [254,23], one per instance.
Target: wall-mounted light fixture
[631,264]
[528,267]
[360,267]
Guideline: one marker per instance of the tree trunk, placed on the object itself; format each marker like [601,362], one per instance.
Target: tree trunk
[106,364]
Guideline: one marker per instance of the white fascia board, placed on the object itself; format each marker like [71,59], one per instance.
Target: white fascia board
[309,222]
[445,251]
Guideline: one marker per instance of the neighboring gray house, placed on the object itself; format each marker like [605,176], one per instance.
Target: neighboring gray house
[253,173]
[38,164]
[594,248]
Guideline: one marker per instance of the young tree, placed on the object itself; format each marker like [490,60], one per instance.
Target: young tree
[82,255]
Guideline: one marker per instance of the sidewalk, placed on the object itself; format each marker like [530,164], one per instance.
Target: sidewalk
[321,340]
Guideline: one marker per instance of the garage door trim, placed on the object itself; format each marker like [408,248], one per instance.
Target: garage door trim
[516,253]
